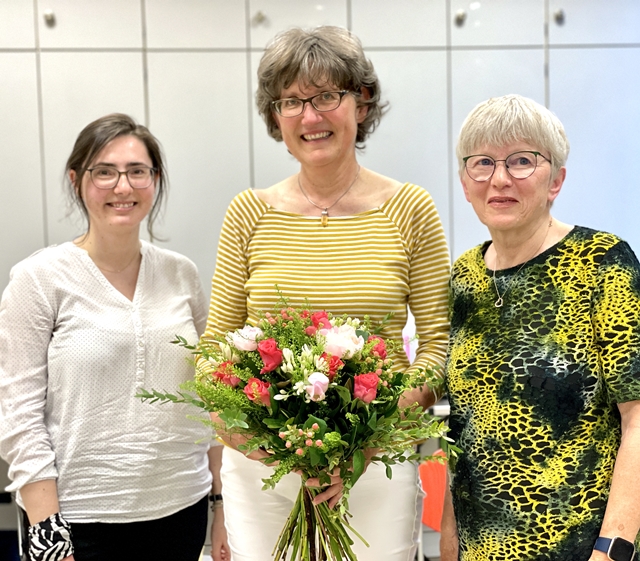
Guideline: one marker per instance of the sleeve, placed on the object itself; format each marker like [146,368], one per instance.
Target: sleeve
[228,305]
[429,272]
[27,321]
[616,319]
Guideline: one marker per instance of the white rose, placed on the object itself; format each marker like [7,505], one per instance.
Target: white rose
[342,341]
[245,339]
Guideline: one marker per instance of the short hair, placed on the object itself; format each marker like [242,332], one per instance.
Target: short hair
[315,57]
[93,138]
[513,118]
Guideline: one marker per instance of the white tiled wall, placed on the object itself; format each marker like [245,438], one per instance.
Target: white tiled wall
[400,23]
[195,24]
[489,23]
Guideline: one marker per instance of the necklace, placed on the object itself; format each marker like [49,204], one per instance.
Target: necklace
[500,301]
[104,269]
[324,217]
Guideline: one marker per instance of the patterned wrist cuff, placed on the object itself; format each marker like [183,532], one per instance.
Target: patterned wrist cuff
[50,539]
[215,500]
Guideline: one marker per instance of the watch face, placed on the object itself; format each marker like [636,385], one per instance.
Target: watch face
[621,550]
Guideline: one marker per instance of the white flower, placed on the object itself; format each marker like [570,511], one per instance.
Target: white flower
[228,354]
[307,353]
[321,363]
[341,341]
[289,360]
[245,339]
[317,387]
[299,387]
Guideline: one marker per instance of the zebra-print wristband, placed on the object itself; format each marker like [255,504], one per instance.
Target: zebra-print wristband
[50,540]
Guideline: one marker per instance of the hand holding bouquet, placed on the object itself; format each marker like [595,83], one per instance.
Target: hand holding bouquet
[315,392]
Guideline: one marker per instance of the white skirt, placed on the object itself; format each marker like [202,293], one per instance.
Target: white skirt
[386,513]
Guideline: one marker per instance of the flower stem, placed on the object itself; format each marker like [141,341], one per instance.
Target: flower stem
[311,523]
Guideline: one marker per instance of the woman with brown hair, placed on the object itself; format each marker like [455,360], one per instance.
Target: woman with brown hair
[85,325]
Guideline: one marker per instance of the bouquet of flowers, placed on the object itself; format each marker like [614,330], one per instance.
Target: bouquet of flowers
[316,392]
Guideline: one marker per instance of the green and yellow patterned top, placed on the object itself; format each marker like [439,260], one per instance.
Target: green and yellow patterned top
[533,387]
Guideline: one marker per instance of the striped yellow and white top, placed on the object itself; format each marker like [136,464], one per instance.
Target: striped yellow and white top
[376,262]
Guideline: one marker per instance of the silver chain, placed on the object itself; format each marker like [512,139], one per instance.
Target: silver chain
[324,217]
[500,301]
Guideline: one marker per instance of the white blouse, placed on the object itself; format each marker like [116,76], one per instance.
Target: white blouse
[73,353]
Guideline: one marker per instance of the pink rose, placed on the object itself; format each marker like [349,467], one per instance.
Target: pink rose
[224,372]
[257,390]
[321,320]
[333,364]
[270,354]
[379,349]
[317,387]
[365,386]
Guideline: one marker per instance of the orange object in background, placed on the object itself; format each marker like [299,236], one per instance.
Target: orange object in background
[433,476]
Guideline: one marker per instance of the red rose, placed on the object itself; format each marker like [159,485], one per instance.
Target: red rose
[226,375]
[311,330]
[257,390]
[334,364]
[379,349]
[321,320]
[365,386]
[270,354]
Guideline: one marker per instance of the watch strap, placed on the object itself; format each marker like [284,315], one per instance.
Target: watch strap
[603,544]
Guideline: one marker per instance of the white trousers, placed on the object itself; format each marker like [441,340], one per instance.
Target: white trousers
[387,513]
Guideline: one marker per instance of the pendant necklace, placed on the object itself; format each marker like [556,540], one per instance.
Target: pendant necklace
[104,269]
[500,301]
[324,217]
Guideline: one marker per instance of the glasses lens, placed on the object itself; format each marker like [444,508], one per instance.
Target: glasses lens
[521,164]
[141,177]
[326,101]
[480,168]
[104,177]
[289,107]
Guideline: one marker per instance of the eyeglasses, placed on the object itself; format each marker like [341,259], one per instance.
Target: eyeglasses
[106,177]
[519,165]
[293,106]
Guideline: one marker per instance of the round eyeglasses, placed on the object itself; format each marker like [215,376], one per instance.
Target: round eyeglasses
[107,177]
[294,106]
[519,165]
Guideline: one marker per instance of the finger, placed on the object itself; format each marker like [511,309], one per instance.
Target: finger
[328,493]
[315,481]
[335,500]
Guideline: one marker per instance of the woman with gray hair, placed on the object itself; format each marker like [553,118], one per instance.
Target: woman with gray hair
[542,370]
[347,240]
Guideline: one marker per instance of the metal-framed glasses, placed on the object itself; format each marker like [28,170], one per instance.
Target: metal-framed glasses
[519,165]
[107,177]
[294,106]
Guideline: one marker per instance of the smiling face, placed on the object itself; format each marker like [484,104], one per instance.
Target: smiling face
[503,203]
[318,138]
[122,206]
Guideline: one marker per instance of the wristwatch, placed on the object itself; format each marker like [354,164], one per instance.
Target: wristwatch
[617,549]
